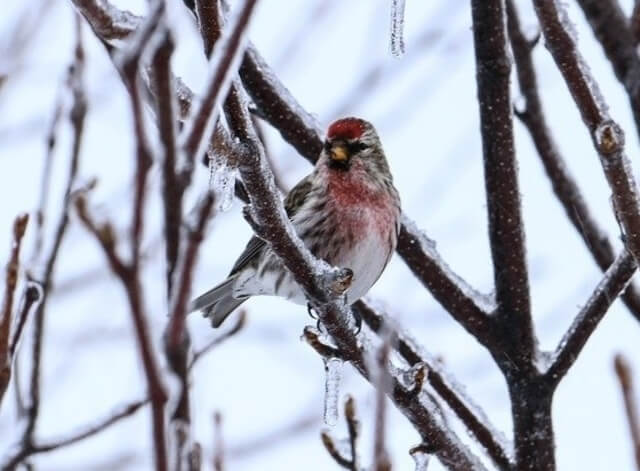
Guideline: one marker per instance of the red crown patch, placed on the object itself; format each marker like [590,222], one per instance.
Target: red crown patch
[347,128]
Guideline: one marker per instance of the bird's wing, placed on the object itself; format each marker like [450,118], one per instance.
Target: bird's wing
[294,200]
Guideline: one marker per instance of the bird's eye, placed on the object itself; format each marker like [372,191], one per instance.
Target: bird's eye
[327,146]
[355,147]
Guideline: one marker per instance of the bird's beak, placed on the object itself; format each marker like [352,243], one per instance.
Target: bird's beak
[339,153]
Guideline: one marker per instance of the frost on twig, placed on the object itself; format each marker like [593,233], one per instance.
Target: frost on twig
[224,62]
[397,28]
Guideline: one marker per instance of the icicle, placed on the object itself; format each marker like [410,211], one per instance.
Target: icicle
[421,460]
[222,180]
[397,28]
[333,370]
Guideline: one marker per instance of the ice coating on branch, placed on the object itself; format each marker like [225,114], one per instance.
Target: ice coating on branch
[563,16]
[397,28]
[333,371]
[223,65]
[407,379]
[310,122]
[570,28]
[222,180]
[486,302]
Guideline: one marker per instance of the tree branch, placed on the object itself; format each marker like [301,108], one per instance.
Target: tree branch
[623,371]
[172,186]
[474,421]
[11,280]
[613,31]
[615,279]
[506,232]
[226,56]
[564,185]
[607,136]
[86,432]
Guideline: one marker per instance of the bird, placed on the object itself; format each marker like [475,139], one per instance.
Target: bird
[346,212]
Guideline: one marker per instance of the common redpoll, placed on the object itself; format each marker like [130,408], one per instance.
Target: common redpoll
[347,212]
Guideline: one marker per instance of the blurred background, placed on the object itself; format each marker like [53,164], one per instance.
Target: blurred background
[267,384]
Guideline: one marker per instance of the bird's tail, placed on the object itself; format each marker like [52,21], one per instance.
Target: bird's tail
[217,303]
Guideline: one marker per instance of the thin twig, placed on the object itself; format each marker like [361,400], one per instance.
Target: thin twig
[613,31]
[353,428]
[623,371]
[218,443]
[172,187]
[6,312]
[381,461]
[84,433]
[240,322]
[177,339]
[77,117]
[615,279]
[31,296]
[226,57]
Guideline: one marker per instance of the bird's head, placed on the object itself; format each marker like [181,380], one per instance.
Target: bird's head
[350,140]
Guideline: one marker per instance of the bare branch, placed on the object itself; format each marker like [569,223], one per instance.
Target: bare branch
[241,320]
[218,443]
[86,432]
[613,282]
[6,313]
[172,187]
[177,340]
[476,424]
[332,449]
[564,185]
[608,138]
[634,22]
[623,371]
[225,58]
[75,82]
[31,296]
[129,274]
[611,28]
[381,461]
[506,231]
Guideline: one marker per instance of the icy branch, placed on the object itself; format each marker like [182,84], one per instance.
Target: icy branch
[470,415]
[615,280]
[608,138]
[564,185]
[506,230]
[613,31]
[6,312]
[86,432]
[226,56]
